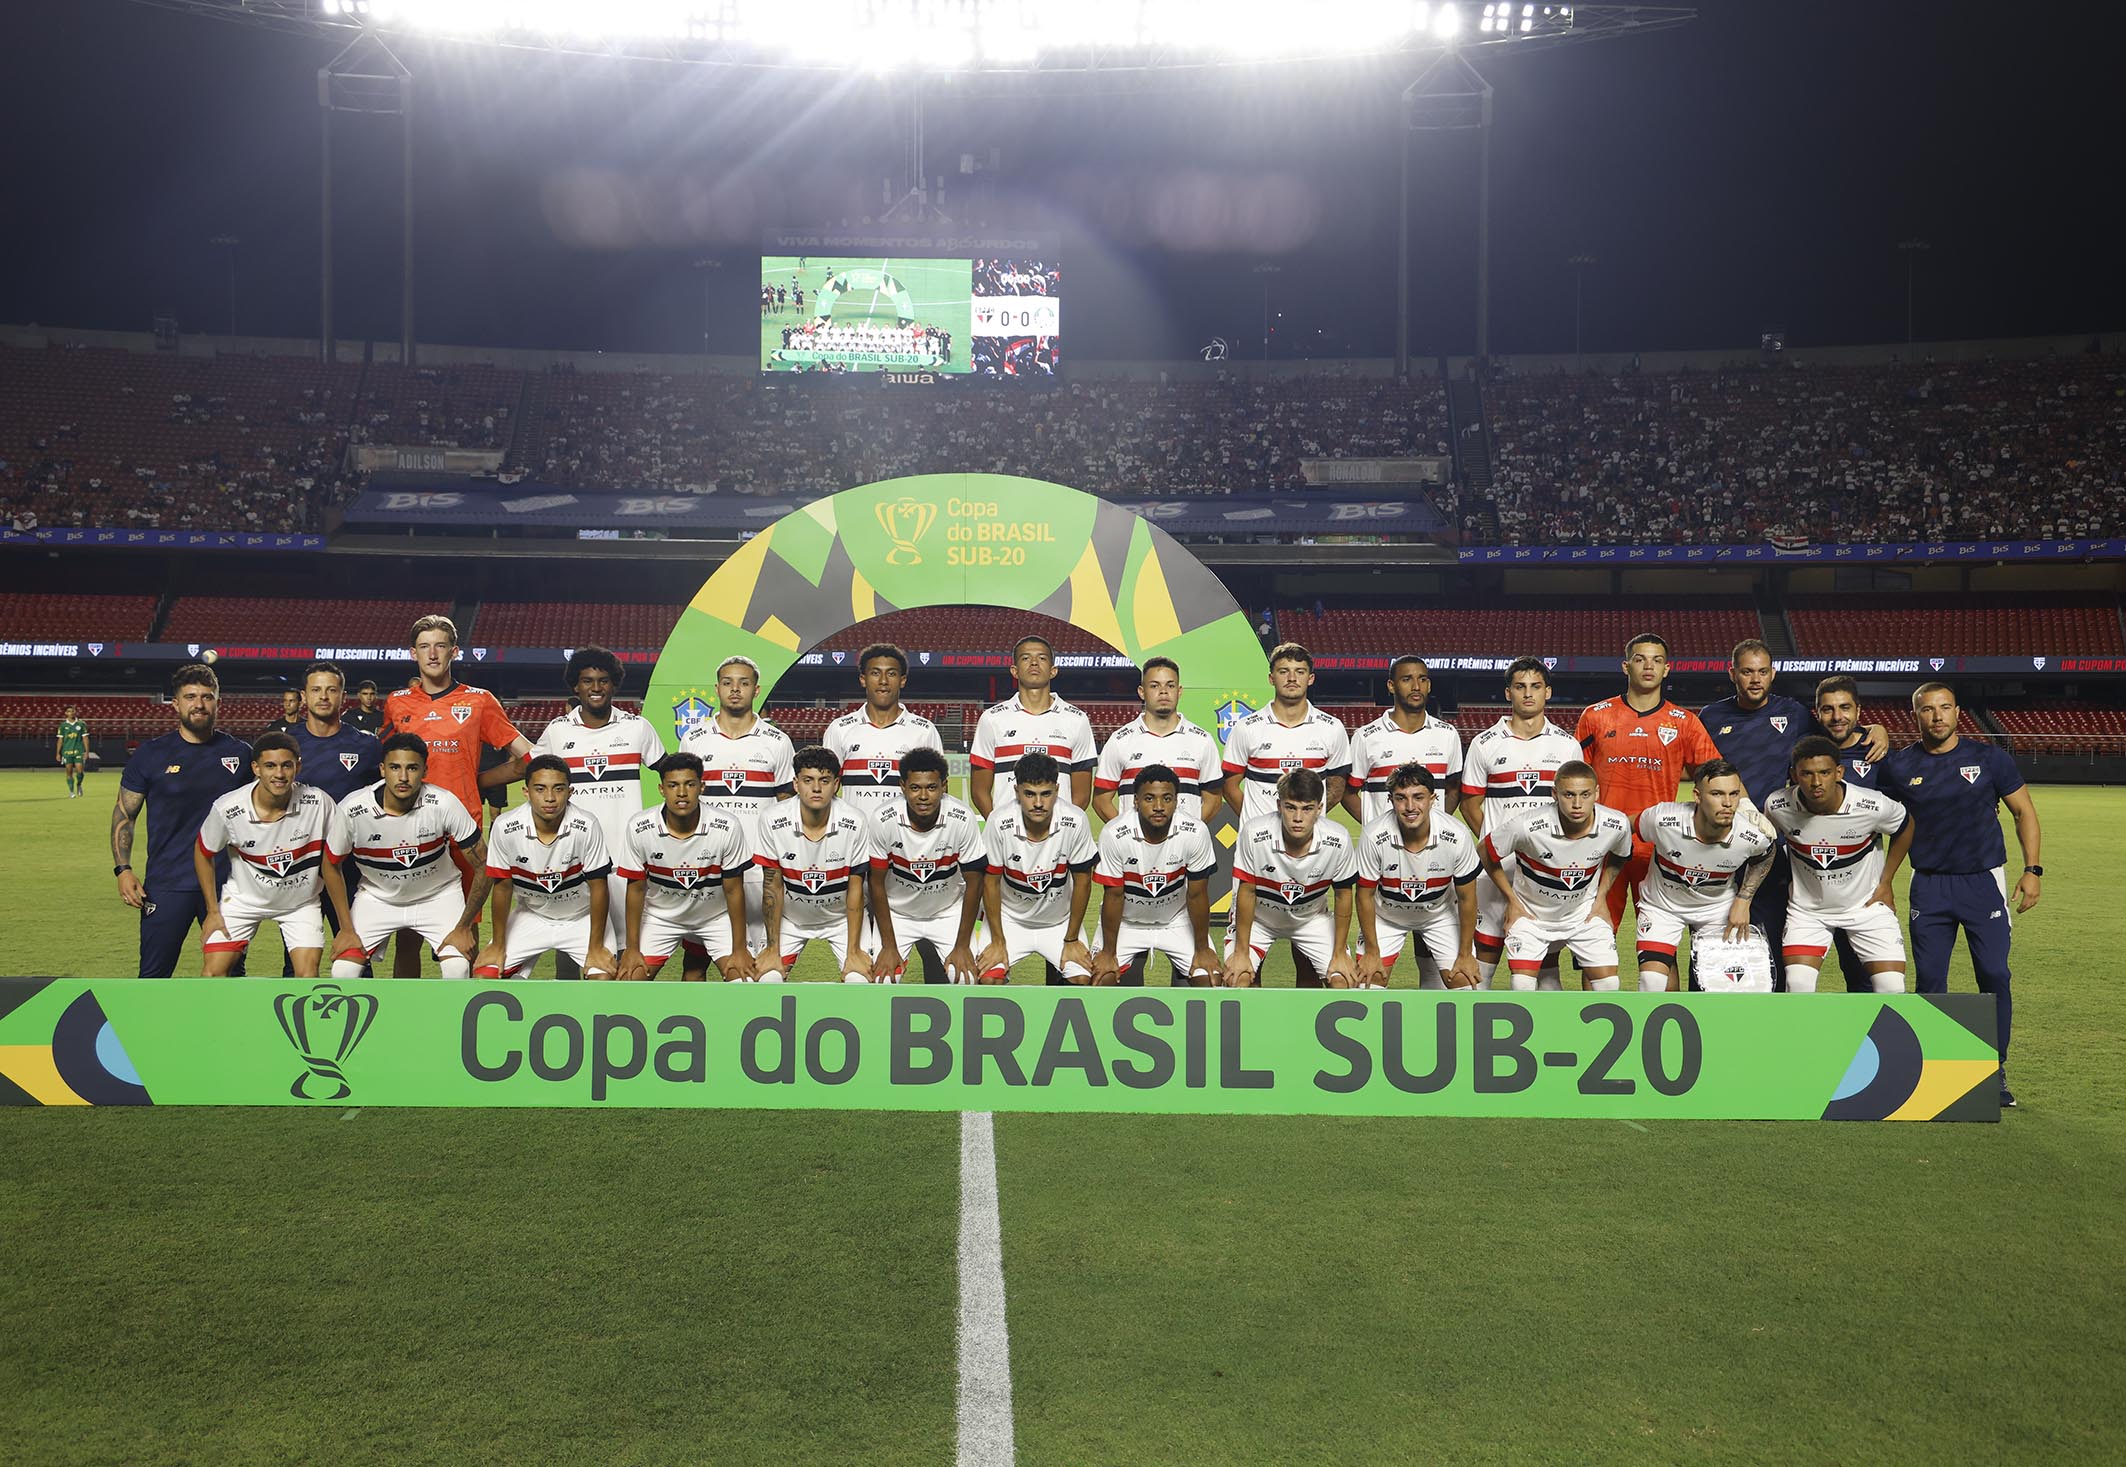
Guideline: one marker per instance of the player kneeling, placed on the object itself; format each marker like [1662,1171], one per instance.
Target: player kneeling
[285,840]
[1408,863]
[554,896]
[1286,864]
[685,870]
[1708,859]
[1041,856]
[1154,873]
[407,838]
[927,865]
[1829,828]
[814,852]
[1567,857]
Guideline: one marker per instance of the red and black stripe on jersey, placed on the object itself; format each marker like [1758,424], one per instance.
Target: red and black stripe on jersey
[306,857]
[1375,780]
[1022,881]
[1283,892]
[680,878]
[1138,883]
[813,881]
[862,773]
[931,872]
[1529,784]
[410,856]
[1555,878]
[1006,757]
[1188,779]
[1269,768]
[592,767]
[740,784]
[1829,855]
[1681,875]
[552,883]
[1397,889]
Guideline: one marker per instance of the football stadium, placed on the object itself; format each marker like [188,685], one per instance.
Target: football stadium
[640,826]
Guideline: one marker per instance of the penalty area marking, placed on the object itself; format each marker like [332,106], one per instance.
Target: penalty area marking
[984,1401]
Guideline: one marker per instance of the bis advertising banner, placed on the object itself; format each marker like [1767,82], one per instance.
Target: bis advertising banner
[1142,1051]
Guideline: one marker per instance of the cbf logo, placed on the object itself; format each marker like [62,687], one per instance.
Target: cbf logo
[1230,712]
[690,710]
[324,1025]
[905,521]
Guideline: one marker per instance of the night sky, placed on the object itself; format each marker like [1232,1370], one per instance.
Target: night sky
[1753,170]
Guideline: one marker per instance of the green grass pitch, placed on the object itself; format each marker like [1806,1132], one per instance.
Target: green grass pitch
[941,290]
[235,1287]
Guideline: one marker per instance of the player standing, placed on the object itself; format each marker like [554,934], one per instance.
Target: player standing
[1641,747]
[927,866]
[455,720]
[1040,854]
[1829,828]
[72,751]
[815,853]
[366,715]
[285,839]
[1291,733]
[336,757]
[1838,716]
[553,899]
[291,716]
[1158,735]
[1567,854]
[745,768]
[1511,770]
[1405,734]
[872,739]
[182,773]
[1706,868]
[1154,872]
[406,840]
[1032,721]
[1952,786]
[1409,858]
[1286,865]
[685,869]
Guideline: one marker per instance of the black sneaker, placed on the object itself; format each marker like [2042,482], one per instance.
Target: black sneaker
[2007,1098]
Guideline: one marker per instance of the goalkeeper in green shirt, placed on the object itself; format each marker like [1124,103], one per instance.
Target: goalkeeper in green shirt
[74,752]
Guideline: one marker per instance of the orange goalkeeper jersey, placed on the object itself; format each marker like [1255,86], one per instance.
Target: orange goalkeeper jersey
[455,725]
[1640,758]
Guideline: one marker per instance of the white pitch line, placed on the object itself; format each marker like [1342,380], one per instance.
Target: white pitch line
[984,1405]
[1636,1127]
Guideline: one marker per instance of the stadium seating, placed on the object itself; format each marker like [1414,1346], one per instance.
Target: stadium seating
[1472,719]
[131,717]
[2075,729]
[456,406]
[320,621]
[1562,628]
[1958,626]
[631,626]
[35,617]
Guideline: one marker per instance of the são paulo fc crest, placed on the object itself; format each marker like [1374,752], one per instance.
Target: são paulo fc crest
[734,780]
[1575,875]
[839,658]
[813,879]
[1290,762]
[1039,880]
[549,880]
[462,712]
[1937,663]
[405,855]
[1412,888]
[1154,882]
[1778,722]
[881,769]
[278,862]
[1293,892]
[1696,876]
[1551,663]
[348,761]
[595,764]
[228,762]
[2038,663]
[1823,855]
[1529,779]
[686,876]
[1970,772]
[1667,733]
[922,870]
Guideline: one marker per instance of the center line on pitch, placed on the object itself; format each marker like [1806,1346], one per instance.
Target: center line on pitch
[984,1404]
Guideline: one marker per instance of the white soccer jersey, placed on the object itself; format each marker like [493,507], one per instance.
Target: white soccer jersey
[404,859]
[1154,876]
[1383,746]
[1515,775]
[1006,732]
[683,875]
[1690,878]
[275,863]
[1186,749]
[871,756]
[605,766]
[816,872]
[1263,751]
[743,775]
[1412,889]
[1556,875]
[549,881]
[1836,860]
[1290,889]
[926,869]
[1036,874]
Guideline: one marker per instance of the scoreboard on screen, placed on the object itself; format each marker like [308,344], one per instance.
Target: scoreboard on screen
[919,308]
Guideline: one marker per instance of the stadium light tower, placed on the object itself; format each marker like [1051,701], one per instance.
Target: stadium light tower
[1579,265]
[1911,249]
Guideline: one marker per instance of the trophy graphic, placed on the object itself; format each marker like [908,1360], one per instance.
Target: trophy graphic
[324,1025]
[905,521]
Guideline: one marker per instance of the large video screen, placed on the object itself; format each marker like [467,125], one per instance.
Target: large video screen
[872,304]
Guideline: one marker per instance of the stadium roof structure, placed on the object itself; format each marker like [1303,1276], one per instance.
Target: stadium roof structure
[1098,37]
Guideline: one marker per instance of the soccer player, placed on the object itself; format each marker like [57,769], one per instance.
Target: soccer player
[1040,855]
[72,751]
[1707,865]
[1291,733]
[927,866]
[1033,721]
[553,898]
[1641,746]
[745,768]
[1286,864]
[1158,735]
[1829,828]
[685,870]
[291,712]
[406,840]
[871,740]
[336,758]
[1838,716]
[606,750]
[1567,854]
[1404,734]
[1951,786]
[366,715]
[1511,769]
[815,854]
[182,773]
[1154,872]
[285,840]
[1409,859]
[455,720]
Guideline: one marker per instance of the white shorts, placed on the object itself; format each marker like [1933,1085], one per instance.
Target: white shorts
[241,919]
[433,919]
[1533,944]
[795,938]
[1438,945]
[1021,941]
[1176,939]
[1491,903]
[662,936]
[531,936]
[940,932]
[616,914]
[1313,939]
[1872,929]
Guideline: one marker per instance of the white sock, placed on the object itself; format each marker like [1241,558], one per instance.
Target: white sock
[1800,979]
[1605,985]
[454,966]
[1522,982]
[1652,982]
[345,971]
[1890,982]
